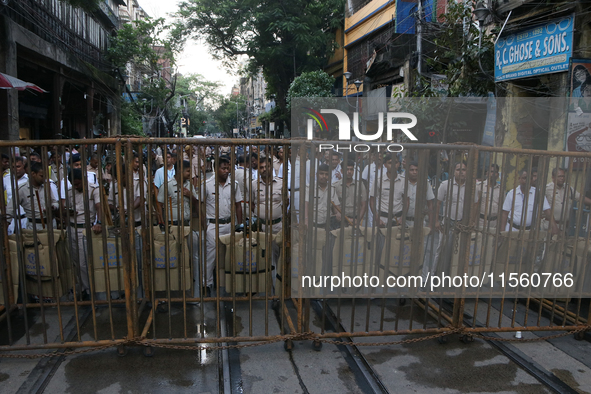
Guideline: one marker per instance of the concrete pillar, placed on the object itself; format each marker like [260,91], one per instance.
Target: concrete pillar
[56,99]
[9,118]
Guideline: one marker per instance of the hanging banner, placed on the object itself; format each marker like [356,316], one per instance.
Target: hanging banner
[578,132]
[488,136]
[544,49]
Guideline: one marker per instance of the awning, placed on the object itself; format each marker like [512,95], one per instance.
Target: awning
[9,82]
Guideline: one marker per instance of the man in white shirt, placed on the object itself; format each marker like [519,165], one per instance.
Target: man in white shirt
[218,191]
[177,198]
[335,165]
[244,175]
[488,192]
[159,176]
[451,197]
[379,195]
[519,208]
[20,172]
[317,214]
[413,177]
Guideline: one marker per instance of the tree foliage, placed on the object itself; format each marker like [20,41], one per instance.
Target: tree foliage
[284,38]
[459,55]
[144,44]
[311,84]
[230,113]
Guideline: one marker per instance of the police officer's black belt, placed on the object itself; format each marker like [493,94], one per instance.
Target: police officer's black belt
[23,216]
[138,223]
[174,223]
[77,225]
[271,222]
[396,215]
[35,221]
[520,227]
[220,221]
[489,218]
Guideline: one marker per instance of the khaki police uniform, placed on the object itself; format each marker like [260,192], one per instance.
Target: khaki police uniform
[320,212]
[452,202]
[561,202]
[412,197]
[171,198]
[225,201]
[56,173]
[32,205]
[77,225]
[244,177]
[268,208]
[355,196]
[263,195]
[382,196]
[489,204]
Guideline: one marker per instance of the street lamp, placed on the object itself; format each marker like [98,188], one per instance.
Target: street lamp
[347,75]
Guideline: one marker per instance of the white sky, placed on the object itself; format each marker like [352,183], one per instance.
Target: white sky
[195,58]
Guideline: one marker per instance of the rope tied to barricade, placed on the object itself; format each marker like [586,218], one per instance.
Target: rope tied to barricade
[304,336]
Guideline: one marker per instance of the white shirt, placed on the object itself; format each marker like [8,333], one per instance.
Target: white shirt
[412,196]
[159,176]
[517,216]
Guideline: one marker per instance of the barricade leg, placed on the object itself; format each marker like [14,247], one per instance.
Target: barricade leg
[77,244]
[194,238]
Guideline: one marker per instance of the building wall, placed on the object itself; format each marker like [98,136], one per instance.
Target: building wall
[64,55]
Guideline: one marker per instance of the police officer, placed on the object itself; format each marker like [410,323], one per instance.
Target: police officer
[37,203]
[355,195]
[218,191]
[180,190]
[379,194]
[317,213]
[21,177]
[77,216]
[488,192]
[412,214]
[267,202]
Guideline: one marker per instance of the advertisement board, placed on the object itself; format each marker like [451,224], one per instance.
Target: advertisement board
[578,130]
[544,49]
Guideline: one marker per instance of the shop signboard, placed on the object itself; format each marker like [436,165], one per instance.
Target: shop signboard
[544,49]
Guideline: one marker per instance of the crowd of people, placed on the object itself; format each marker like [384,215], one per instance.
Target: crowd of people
[214,191]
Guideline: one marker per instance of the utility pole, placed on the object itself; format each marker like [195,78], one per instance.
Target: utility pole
[420,42]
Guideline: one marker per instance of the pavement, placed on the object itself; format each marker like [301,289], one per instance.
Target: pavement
[348,366]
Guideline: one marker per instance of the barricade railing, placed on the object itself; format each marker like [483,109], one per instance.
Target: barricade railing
[126,252]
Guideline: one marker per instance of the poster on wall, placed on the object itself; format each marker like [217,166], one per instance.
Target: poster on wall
[578,130]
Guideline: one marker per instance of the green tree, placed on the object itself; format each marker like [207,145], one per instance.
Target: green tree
[311,84]
[283,38]
[466,63]
[198,98]
[229,114]
[146,45]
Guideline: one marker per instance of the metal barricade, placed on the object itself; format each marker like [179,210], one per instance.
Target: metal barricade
[173,256]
